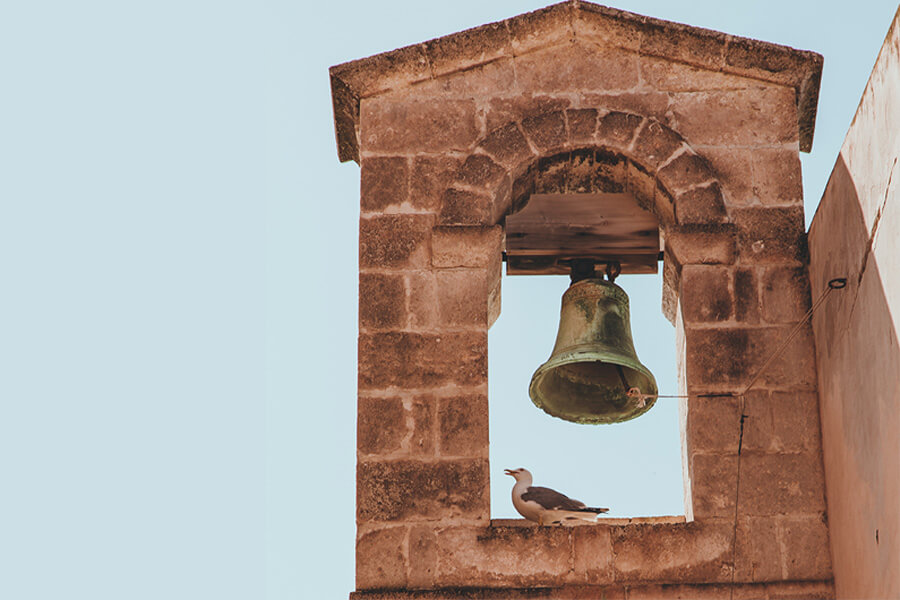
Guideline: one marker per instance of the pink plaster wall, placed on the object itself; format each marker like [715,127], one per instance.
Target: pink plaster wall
[856,234]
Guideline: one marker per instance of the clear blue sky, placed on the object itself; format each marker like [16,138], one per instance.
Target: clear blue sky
[178,302]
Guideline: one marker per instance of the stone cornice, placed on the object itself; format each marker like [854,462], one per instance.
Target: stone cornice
[565,22]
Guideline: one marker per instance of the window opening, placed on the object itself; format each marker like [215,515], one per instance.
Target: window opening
[635,467]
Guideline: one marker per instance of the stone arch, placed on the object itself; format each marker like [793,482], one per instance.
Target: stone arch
[652,161]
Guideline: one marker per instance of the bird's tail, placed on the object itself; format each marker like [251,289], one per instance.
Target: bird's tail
[561,516]
[594,510]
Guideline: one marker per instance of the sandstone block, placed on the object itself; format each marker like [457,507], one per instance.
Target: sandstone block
[732,356]
[648,104]
[701,247]
[473,247]
[507,145]
[502,201]
[380,560]
[380,425]
[685,171]
[758,59]
[771,235]
[431,175]
[543,27]
[673,552]
[546,132]
[701,205]
[777,179]
[785,294]
[433,125]
[468,48]
[615,130]
[722,356]
[794,423]
[758,549]
[714,482]
[462,297]
[582,67]
[503,556]
[799,590]
[382,301]
[462,207]
[582,125]
[773,484]
[474,82]
[655,144]
[732,173]
[600,24]
[640,182]
[422,440]
[463,426]
[671,591]
[806,547]
[664,207]
[422,556]
[494,301]
[768,115]
[479,170]
[384,182]
[795,366]
[671,284]
[394,241]
[706,294]
[419,360]
[503,111]
[713,425]
[746,295]
[666,75]
[408,490]
[424,307]
[677,43]
[593,559]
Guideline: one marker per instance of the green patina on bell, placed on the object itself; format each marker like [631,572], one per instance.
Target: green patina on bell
[593,365]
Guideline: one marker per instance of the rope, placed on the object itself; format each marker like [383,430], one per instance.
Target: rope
[634,392]
[834,284]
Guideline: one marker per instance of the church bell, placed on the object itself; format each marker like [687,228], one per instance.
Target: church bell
[593,374]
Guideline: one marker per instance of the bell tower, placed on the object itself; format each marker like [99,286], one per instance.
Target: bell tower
[702,131]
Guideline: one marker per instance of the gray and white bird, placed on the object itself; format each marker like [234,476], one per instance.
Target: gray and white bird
[545,506]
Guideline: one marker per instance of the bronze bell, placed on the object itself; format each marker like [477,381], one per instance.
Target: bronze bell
[593,370]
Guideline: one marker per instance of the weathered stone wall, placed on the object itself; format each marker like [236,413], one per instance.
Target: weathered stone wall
[715,154]
[856,234]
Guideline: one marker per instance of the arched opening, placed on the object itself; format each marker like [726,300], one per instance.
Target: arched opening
[634,468]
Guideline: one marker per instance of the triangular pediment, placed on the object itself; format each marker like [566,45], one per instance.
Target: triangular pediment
[580,23]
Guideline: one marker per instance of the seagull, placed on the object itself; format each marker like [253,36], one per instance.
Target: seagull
[545,506]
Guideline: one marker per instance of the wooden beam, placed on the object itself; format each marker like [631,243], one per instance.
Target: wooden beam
[553,229]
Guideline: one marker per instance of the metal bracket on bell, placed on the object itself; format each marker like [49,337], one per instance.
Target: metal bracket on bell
[613,268]
[585,268]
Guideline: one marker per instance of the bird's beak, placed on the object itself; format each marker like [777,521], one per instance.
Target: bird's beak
[507,472]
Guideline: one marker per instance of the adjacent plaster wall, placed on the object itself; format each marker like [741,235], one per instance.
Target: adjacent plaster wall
[856,234]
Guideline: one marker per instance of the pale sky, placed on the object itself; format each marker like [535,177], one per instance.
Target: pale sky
[178,315]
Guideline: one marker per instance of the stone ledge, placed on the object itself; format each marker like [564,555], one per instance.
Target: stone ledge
[717,52]
[783,590]
[609,521]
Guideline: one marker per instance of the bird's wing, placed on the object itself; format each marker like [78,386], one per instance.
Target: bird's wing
[551,499]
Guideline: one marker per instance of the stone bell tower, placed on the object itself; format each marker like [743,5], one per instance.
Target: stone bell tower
[703,129]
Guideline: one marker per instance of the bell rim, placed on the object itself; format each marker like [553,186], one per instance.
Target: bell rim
[570,356]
